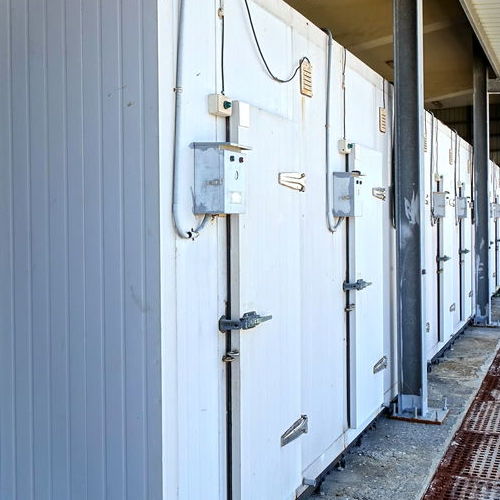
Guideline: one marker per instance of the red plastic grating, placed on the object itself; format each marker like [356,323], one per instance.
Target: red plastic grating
[454,488]
[470,468]
[484,417]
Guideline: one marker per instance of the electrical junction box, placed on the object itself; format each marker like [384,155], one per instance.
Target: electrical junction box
[461,207]
[439,204]
[495,210]
[346,194]
[219,178]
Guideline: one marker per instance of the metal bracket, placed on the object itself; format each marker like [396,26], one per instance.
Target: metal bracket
[248,321]
[349,308]
[293,180]
[298,428]
[357,285]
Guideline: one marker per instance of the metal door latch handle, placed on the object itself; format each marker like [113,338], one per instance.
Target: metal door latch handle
[357,285]
[249,320]
[379,193]
[298,428]
[464,251]
[444,258]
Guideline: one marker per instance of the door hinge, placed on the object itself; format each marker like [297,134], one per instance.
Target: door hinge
[357,285]
[349,308]
[230,356]
[248,321]
[298,428]
[464,251]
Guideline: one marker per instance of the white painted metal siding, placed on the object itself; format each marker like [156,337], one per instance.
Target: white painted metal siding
[79,260]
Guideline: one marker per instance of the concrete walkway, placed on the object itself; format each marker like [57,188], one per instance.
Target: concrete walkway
[397,459]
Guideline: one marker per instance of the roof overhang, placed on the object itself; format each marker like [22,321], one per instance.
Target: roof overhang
[484,16]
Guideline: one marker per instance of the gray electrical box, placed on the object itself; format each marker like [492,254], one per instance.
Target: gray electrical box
[219,178]
[461,203]
[439,204]
[495,210]
[347,189]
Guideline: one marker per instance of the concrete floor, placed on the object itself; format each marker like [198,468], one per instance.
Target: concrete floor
[397,459]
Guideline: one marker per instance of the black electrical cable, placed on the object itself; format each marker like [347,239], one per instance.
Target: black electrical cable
[271,74]
[223,83]
[344,61]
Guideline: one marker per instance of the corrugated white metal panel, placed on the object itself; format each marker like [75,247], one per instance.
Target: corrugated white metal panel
[484,15]
[79,303]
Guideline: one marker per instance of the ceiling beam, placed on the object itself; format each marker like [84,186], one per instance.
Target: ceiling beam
[388,40]
[494,86]
[461,93]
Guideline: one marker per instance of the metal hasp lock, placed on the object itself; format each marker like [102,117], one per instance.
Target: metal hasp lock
[247,322]
[357,285]
[444,258]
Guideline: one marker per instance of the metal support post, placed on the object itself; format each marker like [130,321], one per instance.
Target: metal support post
[409,115]
[481,200]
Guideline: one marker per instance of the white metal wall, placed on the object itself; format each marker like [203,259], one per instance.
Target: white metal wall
[79,260]
[195,384]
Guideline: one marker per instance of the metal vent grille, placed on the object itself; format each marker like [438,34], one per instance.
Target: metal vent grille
[382,120]
[306,78]
[471,465]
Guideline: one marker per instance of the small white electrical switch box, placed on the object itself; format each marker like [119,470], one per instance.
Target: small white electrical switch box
[219,178]
[347,190]
[439,204]
[344,147]
[220,105]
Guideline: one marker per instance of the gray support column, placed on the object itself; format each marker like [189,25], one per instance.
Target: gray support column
[409,105]
[481,201]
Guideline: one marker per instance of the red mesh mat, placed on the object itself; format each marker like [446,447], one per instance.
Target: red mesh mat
[470,468]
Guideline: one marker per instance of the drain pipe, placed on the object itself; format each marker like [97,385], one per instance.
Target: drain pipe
[332,226]
[194,232]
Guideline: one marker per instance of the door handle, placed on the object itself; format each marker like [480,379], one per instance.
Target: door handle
[357,285]
[247,322]
[444,258]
